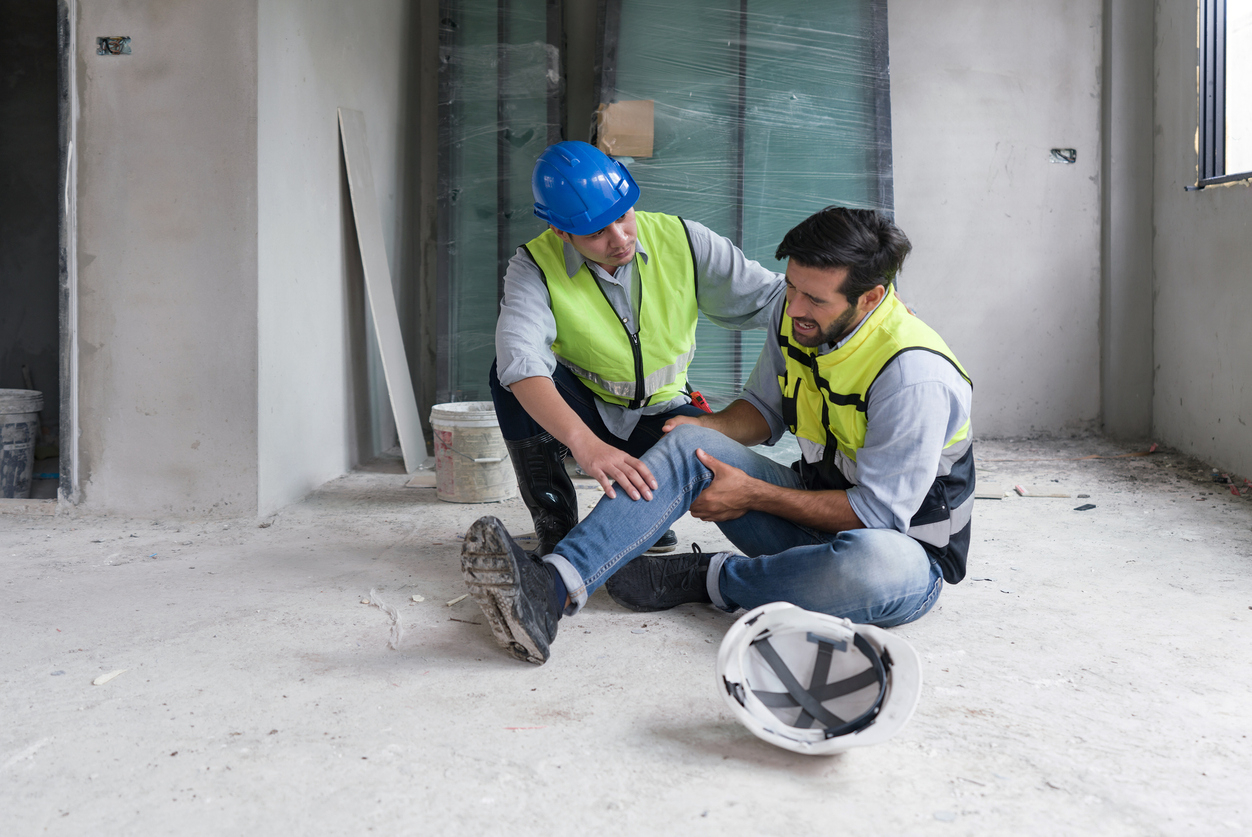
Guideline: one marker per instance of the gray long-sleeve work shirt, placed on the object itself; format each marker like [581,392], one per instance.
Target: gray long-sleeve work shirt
[733,291]
[917,404]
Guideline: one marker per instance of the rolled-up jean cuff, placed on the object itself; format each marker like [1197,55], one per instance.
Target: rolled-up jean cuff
[713,582]
[574,583]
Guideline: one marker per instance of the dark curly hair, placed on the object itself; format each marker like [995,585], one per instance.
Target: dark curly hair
[865,241]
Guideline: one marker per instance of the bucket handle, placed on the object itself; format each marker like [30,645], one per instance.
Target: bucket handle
[482,460]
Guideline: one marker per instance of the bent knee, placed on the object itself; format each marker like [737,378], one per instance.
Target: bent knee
[873,558]
[691,434]
[688,437]
[683,440]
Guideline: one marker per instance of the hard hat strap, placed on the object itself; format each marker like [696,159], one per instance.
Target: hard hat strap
[810,700]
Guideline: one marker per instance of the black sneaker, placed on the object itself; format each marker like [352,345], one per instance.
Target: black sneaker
[666,543]
[515,591]
[659,582]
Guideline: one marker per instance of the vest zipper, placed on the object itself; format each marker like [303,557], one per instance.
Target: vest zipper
[637,350]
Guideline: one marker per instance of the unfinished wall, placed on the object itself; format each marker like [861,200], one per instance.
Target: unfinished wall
[1006,262]
[166,281]
[322,401]
[1203,266]
[1126,371]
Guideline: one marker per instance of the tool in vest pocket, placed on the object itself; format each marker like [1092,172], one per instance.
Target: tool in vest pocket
[698,400]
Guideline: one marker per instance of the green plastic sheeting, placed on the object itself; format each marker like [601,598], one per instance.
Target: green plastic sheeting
[499,109]
[764,113]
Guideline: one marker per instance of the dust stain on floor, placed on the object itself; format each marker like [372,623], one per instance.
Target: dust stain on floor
[1090,676]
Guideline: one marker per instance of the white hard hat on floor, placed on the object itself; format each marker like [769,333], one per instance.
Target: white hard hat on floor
[814,684]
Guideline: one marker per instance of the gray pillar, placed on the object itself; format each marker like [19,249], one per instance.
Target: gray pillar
[1126,360]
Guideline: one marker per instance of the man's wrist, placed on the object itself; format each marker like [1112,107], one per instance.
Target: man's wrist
[758,494]
[578,440]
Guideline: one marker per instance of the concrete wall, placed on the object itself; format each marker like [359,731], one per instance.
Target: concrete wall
[167,279]
[1126,373]
[29,167]
[1006,261]
[225,359]
[1203,266]
[322,401]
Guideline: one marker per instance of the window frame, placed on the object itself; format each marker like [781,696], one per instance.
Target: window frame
[1211,169]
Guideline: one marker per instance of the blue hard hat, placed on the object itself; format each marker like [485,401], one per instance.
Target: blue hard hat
[580,189]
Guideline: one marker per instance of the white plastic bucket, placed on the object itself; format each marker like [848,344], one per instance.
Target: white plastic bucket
[471,461]
[19,430]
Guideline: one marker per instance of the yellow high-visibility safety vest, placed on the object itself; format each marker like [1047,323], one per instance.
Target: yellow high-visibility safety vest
[825,400]
[593,342]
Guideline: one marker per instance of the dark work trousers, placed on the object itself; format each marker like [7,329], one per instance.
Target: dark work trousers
[516,424]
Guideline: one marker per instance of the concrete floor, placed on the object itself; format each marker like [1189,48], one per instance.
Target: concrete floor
[1091,676]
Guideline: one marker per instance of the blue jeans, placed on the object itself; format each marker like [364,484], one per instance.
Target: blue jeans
[876,576]
[516,424]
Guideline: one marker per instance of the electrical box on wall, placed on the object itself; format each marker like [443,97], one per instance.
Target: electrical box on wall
[113,45]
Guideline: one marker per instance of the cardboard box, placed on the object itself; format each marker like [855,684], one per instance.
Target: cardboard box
[624,129]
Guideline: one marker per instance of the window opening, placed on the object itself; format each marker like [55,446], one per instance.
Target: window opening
[1225,91]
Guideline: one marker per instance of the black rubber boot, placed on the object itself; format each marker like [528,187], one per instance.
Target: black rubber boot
[547,491]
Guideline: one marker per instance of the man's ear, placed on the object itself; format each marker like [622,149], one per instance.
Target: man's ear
[561,234]
[871,298]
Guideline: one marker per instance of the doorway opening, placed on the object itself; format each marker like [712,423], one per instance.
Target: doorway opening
[34,268]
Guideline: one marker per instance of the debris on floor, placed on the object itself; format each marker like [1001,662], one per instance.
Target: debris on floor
[105,678]
[1024,491]
[1232,482]
[397,631]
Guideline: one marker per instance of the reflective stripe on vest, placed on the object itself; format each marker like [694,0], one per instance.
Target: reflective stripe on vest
[594,343]
[825,402]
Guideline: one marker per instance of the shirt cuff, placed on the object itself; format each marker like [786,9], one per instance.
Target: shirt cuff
[772,418]
[524,367]
[871,512]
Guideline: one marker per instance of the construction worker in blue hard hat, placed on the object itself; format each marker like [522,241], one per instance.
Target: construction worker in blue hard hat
[597,328]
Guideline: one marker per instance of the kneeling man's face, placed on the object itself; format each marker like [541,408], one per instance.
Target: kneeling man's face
[819,312]
[610,247]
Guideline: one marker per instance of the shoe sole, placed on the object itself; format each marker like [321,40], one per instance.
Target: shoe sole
[659,548]
[491,574]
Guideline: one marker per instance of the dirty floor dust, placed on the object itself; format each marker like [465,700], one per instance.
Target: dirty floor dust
[1090,676]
